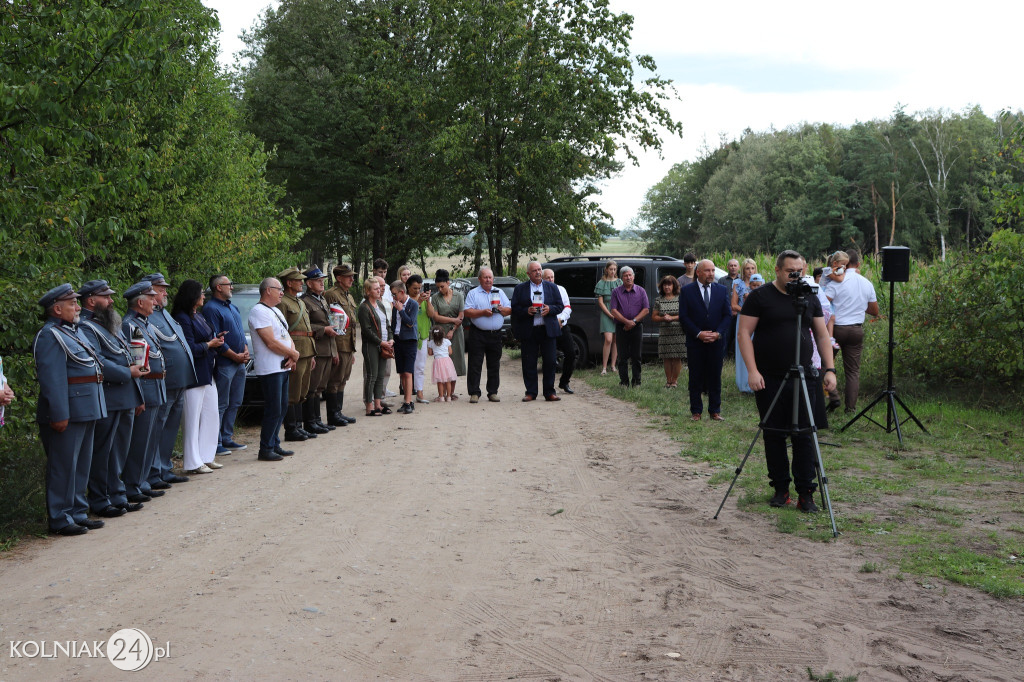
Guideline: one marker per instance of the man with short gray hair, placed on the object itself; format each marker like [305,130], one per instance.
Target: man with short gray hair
[486,306]
[630,306]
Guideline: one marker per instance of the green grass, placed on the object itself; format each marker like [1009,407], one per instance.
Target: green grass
[945,505]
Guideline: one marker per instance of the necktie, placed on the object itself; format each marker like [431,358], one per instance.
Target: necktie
[707,296]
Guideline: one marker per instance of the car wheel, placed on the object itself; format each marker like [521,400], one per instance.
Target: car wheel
[582,352]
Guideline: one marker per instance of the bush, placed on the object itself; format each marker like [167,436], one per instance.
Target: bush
[962,321]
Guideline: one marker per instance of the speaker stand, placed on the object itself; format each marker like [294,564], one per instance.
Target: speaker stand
[892,417]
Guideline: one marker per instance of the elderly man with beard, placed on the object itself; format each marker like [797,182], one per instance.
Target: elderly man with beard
[144,445]
[122,389]
[70,401]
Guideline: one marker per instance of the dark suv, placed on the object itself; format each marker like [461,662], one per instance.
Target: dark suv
[580,274]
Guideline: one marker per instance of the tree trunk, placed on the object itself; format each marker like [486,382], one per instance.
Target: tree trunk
[892,235]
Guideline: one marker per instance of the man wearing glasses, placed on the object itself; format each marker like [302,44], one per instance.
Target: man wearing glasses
[224,316]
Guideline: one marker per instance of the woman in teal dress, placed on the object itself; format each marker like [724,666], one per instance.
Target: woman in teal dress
[603,291]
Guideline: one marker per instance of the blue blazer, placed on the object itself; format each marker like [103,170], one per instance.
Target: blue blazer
[408,331]
[61,353]
[197,332]
[522,320]
[695,318]
[121,391]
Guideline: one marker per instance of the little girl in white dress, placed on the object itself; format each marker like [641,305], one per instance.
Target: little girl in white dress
[444,369]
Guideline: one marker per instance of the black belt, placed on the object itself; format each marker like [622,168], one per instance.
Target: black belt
[487,331]
[859,324]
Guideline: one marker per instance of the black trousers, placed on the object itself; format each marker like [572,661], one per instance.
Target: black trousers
[705,364]
[538,345]
[630,343]
[483,345]
[775,432]
[568,349]
[730,339]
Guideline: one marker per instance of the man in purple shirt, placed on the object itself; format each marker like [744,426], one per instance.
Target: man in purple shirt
[629,307]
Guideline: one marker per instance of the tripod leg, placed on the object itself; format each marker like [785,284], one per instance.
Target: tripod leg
[896,418]
[864,411]
[910,414]
[819,465]
[739,469]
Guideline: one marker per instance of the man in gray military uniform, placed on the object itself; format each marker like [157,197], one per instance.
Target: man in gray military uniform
[70,401]
[142,449]
[122,391]
[180,373]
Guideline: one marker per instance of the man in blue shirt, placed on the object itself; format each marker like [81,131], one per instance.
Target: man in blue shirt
[232,358]
[486,308]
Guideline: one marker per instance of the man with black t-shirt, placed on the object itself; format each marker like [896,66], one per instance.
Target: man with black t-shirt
[770,311]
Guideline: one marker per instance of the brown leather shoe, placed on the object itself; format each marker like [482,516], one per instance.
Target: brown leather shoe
[715,417]
[527,398]
[551,398]
[695,417]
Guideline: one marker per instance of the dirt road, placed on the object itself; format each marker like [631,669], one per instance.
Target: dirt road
[467,542]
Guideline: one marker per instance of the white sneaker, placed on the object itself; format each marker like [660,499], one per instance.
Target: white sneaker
[201,470]
[214,465]
[390,394]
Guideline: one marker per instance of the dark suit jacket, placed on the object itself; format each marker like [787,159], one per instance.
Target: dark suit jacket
[522,320]
[695,318]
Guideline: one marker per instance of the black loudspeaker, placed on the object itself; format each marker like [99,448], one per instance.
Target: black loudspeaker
[895,264]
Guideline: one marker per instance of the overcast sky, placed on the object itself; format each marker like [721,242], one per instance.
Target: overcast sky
[740,64]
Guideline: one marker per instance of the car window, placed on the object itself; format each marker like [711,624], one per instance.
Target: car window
[244,301]
[578,281]
[676,271]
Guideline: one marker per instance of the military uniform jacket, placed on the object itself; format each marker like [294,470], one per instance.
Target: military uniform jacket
[346,343]
[320,319]
[299,327]
[179,364]
[121,391]
[62,355]
[154,391]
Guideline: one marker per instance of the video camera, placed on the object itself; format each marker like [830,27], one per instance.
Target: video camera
[800,287]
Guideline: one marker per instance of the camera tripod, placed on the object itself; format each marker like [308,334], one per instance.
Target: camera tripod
[892,417]
[794,378]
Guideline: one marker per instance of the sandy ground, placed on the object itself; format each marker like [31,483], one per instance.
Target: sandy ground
[467,542]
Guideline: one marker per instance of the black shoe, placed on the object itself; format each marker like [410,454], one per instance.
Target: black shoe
[566,389]
[833,405]
[806,503]
[73,529]
[139,497]
[326,427]
[111,512]
[780,499]
[313,428]
[404,409]
[295,436]
[269,456]
[160,485]
[91,524]
[337,419]
[278,450]
[173,478]
[132,507]
[155,493]
[350,420]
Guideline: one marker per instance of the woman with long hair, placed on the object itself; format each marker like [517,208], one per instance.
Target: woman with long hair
[377,346]
[200,417]
[603,291]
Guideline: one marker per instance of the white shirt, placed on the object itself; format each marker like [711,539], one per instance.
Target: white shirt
[563,317]
[850,298]
[265,361]
[440,351]
[537,294]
